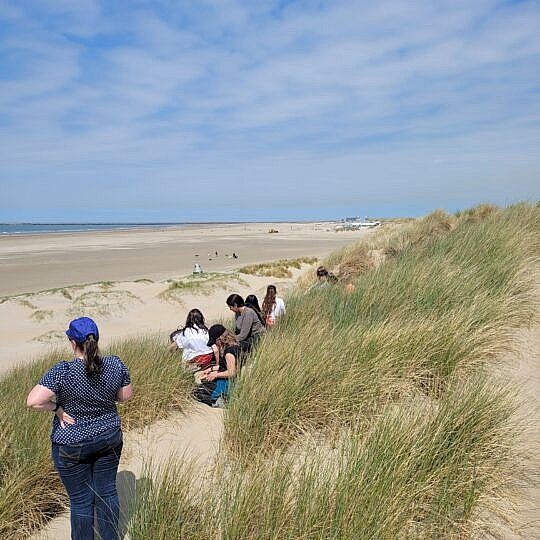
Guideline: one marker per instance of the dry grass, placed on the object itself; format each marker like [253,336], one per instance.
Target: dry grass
[26,303]
[51,337]
[203,284]
[415,472]
[41,315]
[101,303]
[279,269]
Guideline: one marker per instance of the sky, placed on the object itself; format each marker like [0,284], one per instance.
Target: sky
[229,110]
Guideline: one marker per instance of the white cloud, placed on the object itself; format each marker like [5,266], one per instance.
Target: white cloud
[180,93]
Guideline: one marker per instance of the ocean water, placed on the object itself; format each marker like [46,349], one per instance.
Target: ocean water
[38,228]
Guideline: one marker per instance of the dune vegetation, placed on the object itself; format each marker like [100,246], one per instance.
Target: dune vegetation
[204,284]
[373,410]
[279,269]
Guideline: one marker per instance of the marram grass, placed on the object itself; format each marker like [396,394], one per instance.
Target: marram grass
[373,413]
[446,304]
[417,472]
[279,269]
[368,412]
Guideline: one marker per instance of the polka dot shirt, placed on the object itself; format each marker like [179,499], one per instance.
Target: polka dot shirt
[91,401]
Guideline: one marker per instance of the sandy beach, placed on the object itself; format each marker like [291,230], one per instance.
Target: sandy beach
[30,263]
[43,277]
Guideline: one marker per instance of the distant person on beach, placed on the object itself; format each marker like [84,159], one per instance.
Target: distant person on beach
[273,306]
[86,433]
[249,327]
[252,302]
[215,385]
[192,339]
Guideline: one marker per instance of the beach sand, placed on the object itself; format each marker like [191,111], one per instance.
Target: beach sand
[33,263]
[42,278]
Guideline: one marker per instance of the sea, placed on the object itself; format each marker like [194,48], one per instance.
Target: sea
[39,228]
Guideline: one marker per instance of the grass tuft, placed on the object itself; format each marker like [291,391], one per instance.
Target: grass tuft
[101,303]
[41,315]
[204,284]
[279,269]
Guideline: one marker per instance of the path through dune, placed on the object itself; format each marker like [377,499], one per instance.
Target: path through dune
[195,434]
[523,367]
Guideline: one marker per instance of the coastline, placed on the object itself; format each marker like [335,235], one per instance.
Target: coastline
[119,227]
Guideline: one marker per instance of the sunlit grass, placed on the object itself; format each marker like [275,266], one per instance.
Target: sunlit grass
[204,284]
[279,269]
[369,411]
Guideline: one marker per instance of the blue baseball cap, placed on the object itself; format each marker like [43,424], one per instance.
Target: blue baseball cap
[79,329]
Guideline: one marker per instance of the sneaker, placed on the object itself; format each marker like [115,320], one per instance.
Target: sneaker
[219,403]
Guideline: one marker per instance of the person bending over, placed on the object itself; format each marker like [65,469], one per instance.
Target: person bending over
[215,385]
[192,339]
[249,327]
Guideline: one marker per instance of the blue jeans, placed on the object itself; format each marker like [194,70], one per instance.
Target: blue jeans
[221,389]
[88,472]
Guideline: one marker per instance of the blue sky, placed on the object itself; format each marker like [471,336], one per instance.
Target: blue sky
[231,110]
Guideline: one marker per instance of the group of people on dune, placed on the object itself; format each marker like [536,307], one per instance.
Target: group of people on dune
[82,394]
[217,353]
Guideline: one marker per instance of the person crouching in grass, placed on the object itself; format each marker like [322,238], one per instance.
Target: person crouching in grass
[86,432]
[192,339]
[216,380]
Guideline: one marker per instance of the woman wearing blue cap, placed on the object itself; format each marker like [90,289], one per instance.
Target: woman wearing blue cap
[86,434]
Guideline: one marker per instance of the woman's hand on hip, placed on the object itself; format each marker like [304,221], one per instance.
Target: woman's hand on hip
[64,417]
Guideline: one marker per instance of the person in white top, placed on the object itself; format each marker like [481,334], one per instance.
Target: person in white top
[273,306]
[192,339]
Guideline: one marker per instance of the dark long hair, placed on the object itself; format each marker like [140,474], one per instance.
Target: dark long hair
[195,321]
[235,300]
[253,303]
[226,339]
[92,358]
[269,300]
